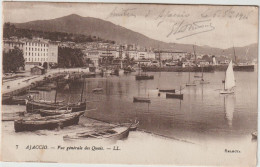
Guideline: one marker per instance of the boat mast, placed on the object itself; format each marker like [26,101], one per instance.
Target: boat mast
[235,54]
[56,92]
[81,96]
[195,55]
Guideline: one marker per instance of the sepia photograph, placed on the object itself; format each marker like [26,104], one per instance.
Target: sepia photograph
[128,83]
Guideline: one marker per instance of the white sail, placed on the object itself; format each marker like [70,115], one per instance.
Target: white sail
[230,78]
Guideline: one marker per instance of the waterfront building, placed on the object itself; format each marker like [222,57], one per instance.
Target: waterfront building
[37,51]
[11,44]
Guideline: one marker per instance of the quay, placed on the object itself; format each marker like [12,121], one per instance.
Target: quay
[23,84]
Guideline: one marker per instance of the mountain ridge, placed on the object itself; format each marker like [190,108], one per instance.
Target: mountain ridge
[77,24]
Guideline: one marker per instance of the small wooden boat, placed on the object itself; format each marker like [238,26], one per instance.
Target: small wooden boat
[7,99]
[115,133]
[33,106]
[167,90]
[191,84]
[49,123]
[254,135]
[97,90]
[141,99]
[174,95]
[44,113]
[144,77]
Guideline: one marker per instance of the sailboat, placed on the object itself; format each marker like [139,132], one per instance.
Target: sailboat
[229,80]
[189,83]
[143,76]
[175,95]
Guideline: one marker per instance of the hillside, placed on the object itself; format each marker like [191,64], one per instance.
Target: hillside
[106,30]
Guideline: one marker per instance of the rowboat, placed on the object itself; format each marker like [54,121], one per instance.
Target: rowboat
[33,106]
[44,113]
[174,95]
[97,90]
[167,90]
[21,100]
[49,122]
[144,77]
[141,99]
[115,133]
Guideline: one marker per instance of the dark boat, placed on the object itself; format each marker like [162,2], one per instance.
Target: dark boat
[167,90]
[49,123]
[7,99]
[174,95]
[144,77]
[141,99]
[115,133]
[44,113]
[33,106]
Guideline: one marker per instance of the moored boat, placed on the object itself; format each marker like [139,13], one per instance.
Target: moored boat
[33,106]
[144,77]
[167,90]
[174,95]
[229,82]
[141,99]
[97,90]
[44,113]
[133,126]
[115,133]
[49,123]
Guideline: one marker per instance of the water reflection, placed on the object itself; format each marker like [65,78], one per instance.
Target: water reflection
[229,104]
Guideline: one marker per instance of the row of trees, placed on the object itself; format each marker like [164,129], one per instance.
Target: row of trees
[10,30]
[13,60]
[69,57]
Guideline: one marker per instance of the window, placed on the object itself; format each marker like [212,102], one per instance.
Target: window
[32,49]
[29,59]
[29,53]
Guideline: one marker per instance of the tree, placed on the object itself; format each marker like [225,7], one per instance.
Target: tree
[69,57]
[13,60]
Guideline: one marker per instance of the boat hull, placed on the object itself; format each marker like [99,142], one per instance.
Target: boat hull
[227,92]
[93,136]
[144,77]
[34,124]
[33,106]
[141,100]
[167,90]
[174,96]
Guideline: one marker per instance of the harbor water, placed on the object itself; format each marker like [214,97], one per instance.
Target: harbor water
[204,117]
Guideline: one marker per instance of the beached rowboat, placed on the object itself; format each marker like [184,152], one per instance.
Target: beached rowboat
[115,133]
[50,122]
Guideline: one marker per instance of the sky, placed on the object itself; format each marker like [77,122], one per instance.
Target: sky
[215,26]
